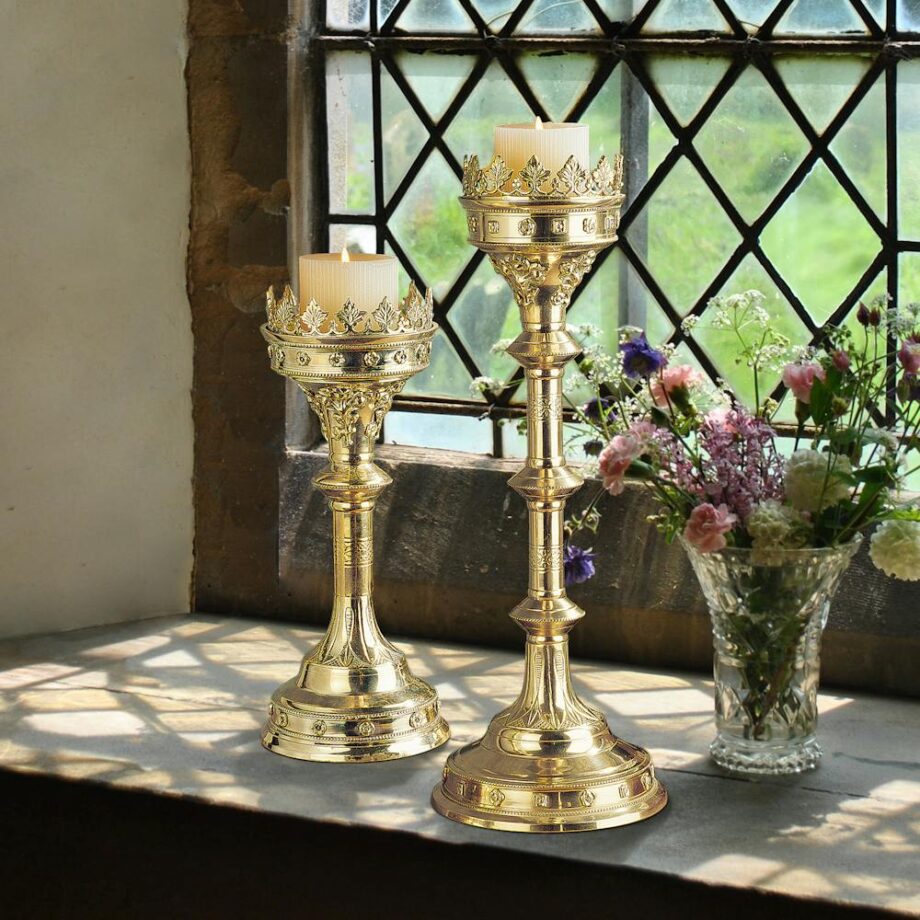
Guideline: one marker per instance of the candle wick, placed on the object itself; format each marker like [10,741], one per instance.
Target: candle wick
[538,123]
[345,256]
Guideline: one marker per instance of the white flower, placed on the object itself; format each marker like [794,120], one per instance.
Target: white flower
[806,472]
[486,385]
[895,549]
[500,347]
[775,526]
[689,323]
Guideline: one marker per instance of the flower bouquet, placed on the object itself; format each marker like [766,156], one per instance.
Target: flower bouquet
[770,523]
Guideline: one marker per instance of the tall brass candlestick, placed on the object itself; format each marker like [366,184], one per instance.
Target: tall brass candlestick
[549,762]
[354,698]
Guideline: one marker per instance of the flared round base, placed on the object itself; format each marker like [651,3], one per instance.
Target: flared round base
[604,783]
[385,726]
[765,759]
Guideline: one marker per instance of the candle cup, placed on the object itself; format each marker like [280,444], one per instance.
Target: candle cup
[354,698]
[549,762]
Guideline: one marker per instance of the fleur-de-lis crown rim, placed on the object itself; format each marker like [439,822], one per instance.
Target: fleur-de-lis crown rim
[535,181]
[413,315]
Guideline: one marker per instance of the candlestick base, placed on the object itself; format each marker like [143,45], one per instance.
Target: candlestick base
[311,719]
[581,779]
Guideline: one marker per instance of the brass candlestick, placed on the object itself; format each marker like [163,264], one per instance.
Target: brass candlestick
[354,698]
[549,762]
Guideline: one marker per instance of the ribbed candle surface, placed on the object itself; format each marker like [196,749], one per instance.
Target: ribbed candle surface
[552,143]
[364,280]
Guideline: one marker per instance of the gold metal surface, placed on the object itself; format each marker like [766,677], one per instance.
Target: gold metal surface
[548,763]
[354,698]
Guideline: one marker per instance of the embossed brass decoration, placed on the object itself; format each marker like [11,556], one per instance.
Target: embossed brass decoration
[354,698]
[549,762]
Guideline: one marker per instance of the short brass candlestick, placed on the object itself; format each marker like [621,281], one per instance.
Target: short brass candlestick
[354,698]
[549,762]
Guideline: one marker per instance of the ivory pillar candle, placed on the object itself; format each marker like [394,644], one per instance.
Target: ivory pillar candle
[332,278]
[552,143]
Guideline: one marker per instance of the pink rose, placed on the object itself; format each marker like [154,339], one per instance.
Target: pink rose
[909,356]
[800,378]
[676,377]
[707,525]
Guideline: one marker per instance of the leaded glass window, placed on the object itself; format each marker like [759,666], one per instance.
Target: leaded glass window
[770,145]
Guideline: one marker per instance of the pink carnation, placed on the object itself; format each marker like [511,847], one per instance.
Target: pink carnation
[707,526]
[800,378]
[909,356]
[678,376]
[615,459]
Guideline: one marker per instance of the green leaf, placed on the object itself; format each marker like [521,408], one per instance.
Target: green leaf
[904,514]
[821,397]
[874,474]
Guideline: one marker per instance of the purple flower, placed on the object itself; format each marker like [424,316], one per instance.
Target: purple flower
[596,409]
[578,564]
[744,468]
[640,359]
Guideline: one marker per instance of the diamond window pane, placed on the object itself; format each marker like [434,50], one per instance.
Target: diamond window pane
[686,16]
[557,17]
[353,237]
[402,134]
[435,78]
[384,9]
[751,144]
[484,313]
[821,85]
[348,14]
[861,147]
[494,101]
[430,227]
[721,346]
[558,80]
[908,15]
[685,82]
[909,277]
[604,117]
[878,10]
[909,148]
[350,133]
[806,17]
[620,10]
[684,236]
[597,302]
[495,13]
[821,259]
[446,375]
[447,432]
[434,16]
[751,14]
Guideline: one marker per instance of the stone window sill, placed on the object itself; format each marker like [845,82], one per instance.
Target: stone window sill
[173,707]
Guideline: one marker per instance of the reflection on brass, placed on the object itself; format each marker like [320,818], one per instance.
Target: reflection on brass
[354,698]
[549,762]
